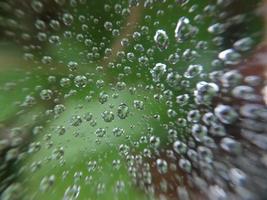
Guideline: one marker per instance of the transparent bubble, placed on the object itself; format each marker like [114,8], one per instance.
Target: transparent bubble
[100,132]
[162,166]
[173,58]
[73,66]
[107,116]
[138,104]
[185,165]
[183,30]
[174,79]
[158,71]
[216,28]
[65,82]
[46,94]
[244,44]
[230,145]
[67,19]
[205,92]
[75,120]
[161,39]
[103,97]
[59,108]
[193,116]
[80,81]
[123,111]
[154,141]
[193,70]
[117,131]
[231,78]
[237,177]
[182,99]
[230,57]
[72,192]
[46,183]
[61,130]
[179,147]
[199,132]
[226,114]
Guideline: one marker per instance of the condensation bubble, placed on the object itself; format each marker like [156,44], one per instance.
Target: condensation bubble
[75,120]
[209,118]
[103,97]
[72,192]
[217,129]
[117,131]
[193,116]
[185,165]
[230,57]
[154,141]
[182,99]
[216,28]
[54,24]
[237,177]
[73,66]
[174,79]
[161,39]
[80,81]
[107,116]
[119,187]
[108,26]
[182,193]
[178,33]
[158,71]
[231,78]
[162,166]
[65,82]
[205,92]
[46,94]
[37,6]
[199,132]
[173,58]
[13,191]
[179,147]
[253,111]
[67,19]
[205,154]
[123,111]
[230,145]
[244,92]
[217,193]
[226,114]
[100,132]
[59,108]
[60,130]
[139,105]
[193,70]
[46,59]
[189,55]
[46,183]
[253,80]
[40,24]
[243,44]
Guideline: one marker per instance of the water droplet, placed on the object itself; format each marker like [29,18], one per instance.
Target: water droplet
[161,39]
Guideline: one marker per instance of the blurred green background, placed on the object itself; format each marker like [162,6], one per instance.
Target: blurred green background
[29,65]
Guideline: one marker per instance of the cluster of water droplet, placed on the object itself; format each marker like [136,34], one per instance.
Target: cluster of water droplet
[155,93]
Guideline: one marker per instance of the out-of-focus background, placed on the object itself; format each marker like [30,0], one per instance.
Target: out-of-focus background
[94,96]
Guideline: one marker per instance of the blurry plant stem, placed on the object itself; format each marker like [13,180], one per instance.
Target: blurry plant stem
[128,29]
